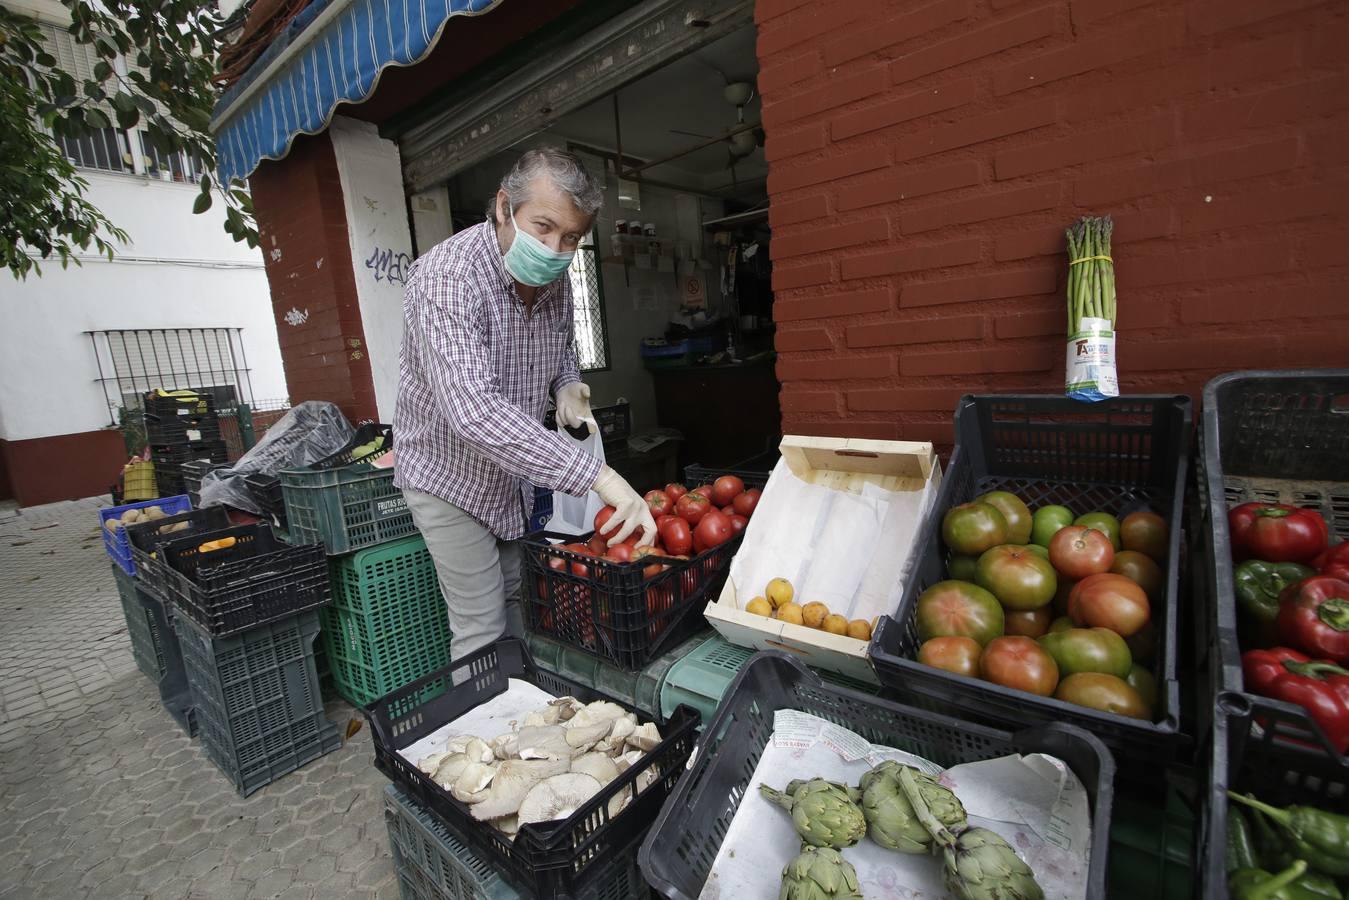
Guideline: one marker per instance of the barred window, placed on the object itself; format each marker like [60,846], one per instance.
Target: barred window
[587,291]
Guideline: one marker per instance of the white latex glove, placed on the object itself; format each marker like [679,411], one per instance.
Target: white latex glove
[573,406]
[631,512]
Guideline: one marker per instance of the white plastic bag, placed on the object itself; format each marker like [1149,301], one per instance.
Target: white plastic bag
[576,515]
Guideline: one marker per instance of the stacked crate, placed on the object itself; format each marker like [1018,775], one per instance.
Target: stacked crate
[181,427]
[244,613]
[388,625]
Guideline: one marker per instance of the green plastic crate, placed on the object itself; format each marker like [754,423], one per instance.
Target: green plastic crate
[432,863]
[141,625]
[346,508]
[706,671]
[387,625]
[641,689]
[1151,846]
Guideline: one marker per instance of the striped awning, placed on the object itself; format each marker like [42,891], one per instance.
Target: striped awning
[331,53]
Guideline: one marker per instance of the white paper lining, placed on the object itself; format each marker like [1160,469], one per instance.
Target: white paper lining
[1035,802]
[485,721]
[854,558]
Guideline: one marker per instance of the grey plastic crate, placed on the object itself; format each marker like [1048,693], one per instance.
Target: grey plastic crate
[434,864]
[257,700]
[154,645]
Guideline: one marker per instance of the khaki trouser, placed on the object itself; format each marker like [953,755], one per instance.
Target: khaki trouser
[478,573]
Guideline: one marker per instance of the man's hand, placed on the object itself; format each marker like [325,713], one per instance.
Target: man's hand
[573,407]
[630,510]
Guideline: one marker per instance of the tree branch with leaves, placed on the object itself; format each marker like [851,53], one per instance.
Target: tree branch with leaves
[154,70]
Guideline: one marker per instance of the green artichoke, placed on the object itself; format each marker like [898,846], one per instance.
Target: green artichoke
[819,873]
[983,866]
[825,812]
[891,821]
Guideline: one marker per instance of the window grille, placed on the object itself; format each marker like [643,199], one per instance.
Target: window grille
[134,362]
[587,293]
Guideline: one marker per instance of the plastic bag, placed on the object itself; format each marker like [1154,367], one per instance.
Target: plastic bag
[576,515]
[308,433]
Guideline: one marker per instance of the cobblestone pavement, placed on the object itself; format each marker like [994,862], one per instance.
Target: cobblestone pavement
[102,795]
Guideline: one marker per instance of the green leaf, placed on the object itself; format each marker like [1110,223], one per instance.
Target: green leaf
[201,204]
[93,90]
[146,105]
[127,118]
[97,118]
[205,184]
[102,70]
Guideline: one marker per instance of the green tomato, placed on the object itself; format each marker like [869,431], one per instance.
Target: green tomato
[1038,550]
[971,528]
[1105,523]
[1014,511]
[1141,680]
[1019,578]
[1046,521]
[961,567]
[1088,650]
[959,609]
[1062,623]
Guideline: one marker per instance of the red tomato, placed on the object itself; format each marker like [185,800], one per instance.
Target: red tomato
[1274,532]
[952,653]
[676,535]
[728,510]
[1028,622]
[1145,532]
[1109,601]
[1077,552]
[739,523]
[1019,662]
[714,529]
[725,489]
[692,507]
[705,490]
[651,556]
[744,503]
[601,518]
[620,553]
[597,544]
[578,568]
[660,503]
[674,490]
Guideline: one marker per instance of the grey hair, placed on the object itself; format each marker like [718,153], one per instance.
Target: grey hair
[563,169]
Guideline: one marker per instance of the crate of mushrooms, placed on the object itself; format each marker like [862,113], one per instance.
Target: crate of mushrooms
[541,777]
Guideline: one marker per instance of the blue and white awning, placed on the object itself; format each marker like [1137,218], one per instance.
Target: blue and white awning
[331,53]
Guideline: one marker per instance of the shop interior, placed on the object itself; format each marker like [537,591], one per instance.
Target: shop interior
[675,307]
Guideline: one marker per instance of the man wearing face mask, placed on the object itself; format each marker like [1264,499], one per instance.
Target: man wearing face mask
[487,340]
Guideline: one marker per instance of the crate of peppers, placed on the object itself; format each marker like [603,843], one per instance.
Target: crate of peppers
[1276,519]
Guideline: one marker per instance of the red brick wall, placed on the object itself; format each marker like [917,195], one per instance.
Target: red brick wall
[925,159]
[303,226]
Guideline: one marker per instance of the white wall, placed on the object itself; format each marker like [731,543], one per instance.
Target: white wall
[381,245]
[177,271]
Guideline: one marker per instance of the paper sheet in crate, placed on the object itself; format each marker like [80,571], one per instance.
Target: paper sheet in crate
[1035,802]
[843,535]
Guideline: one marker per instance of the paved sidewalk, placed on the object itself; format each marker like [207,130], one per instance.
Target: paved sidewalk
[102,795]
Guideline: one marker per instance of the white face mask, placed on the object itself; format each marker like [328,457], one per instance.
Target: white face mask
[529,261]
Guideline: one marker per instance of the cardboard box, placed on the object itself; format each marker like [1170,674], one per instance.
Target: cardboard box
[840,519]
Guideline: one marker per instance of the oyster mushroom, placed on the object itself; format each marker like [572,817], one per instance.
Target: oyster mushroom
[582,737]
[471,785]
[567,707]
[600,711]
[512,782]
[616,740]
[597,765]
[644,737]
[556,797]
[477,750]
[507,825]
[458,743]
[505,746]
[544,742]
[449,770]
[628,760]
[429,764]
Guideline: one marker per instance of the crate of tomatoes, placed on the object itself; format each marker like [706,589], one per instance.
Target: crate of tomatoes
[1275,542]
[1047,580]
[629,602]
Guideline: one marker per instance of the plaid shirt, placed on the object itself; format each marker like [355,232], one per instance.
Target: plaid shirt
[475,375]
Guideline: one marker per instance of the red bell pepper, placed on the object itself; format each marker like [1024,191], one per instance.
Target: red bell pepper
[1277,533]
[1338,555]
[1318,686]
[1314,617]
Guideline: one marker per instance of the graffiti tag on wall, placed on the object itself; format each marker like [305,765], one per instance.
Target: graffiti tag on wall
[388,265]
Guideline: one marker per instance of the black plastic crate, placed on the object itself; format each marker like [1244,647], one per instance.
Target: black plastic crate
[364,435]
[145,539]
[1249,755]
[614,423]
[552,859]
[182,430]
[171,474]
[265,489]
[193,473]
[1116,455]
[613,611]
[199,403]
[254,580]
[678,853]
[1278,437]
[697,476]
[256,697]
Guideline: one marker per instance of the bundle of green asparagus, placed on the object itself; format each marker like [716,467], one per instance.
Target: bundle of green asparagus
[1091,371]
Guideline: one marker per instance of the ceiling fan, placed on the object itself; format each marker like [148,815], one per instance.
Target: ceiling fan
[742,139]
